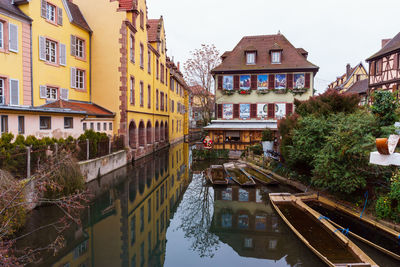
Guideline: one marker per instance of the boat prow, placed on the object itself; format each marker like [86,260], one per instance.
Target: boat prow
[325,240]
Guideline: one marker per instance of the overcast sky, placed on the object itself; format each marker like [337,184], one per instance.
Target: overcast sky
[334,32]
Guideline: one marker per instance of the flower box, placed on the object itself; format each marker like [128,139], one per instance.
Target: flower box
[263,91]
[228,92]
[299,91]
[244,92]
[280,91]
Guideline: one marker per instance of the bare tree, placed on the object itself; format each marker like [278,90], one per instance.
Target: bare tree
[197,70]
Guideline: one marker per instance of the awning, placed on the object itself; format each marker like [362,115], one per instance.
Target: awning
[241,125]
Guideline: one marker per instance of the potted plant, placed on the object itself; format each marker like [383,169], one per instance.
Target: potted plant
[267,140]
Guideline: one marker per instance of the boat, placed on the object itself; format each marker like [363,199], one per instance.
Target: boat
[321,237]
[360,227]
[240,177]
[216,175]
[260,177]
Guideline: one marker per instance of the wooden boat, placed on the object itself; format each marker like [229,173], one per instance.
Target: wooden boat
[260,177]
[388,241]
[329,244]
[216,175]
[238,176]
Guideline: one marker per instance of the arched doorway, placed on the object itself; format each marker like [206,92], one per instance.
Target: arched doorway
[132,135]
[157,132]
[148,134]
[142,134]
[162,133]
[166,131]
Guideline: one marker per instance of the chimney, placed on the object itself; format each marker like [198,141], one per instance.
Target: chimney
[178,66]
[385,41]
[348,70]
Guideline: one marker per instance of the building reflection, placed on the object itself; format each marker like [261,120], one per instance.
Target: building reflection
[127,222]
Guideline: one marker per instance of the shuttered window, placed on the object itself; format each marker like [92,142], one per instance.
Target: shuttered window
[219,111]
[59,16]
[157,99]
[166,102]
[2,88]
[13,37]
[63,55]
[289,109]
[14,92]
[141,94]
[80,79]
[307,82]
[236,111]
[271,110]
[51,51]
[236,80]
[289,80]
[50,93]
[50,12]
[64,94]
[148,96]
[253,110]
[271,81]
[220,81]
[149,62]
[141,56]
[253,82]
[1,35]
[132,91]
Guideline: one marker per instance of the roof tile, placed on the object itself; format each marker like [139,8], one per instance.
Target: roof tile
[89,108]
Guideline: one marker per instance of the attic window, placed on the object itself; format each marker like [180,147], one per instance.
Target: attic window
[250,58]
[276,57]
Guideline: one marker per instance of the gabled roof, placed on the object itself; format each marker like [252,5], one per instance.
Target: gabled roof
[89,108]
[154,29]
[391,46]
[127,4]
[291,57]
[351,71]
[199,90]
[359,87]
[7,6]
[77,17]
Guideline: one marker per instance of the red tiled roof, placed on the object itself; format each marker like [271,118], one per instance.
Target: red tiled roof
[199,90]
[391,46]
[89,108]
[77,17]
[291,57]
[360,87]
[153,32]
[126,4]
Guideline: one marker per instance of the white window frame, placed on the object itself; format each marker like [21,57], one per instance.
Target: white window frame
[250,58]
[50,50]
[51,93]
[79,47]
[51,10]
[80,79]
[276,57]
[1,35]
[2,88]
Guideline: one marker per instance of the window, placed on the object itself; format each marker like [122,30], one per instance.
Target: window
[162,73]
[132,48]
[1,35]
[162,101]
[51,93]
[149,61]
[51,51]
[157,99]
[50,12]
[251,58]
[21,124]
[4,123]
[79,48]
[149,209]
[157,68]
[172,107]
[68,123]
[378,66]
[141,94]
[149,96]
[84,126]
[2,85]
[172,126]
[105,126]
[110,126]
[80,79]
[141,19]
[171,83]
[92,126]
[81,249]
[98,126]
[132,91]
[166,102]
[141,56]
[45,123]
[276,57]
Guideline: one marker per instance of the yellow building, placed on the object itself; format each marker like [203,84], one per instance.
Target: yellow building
[46,66]
[133,82]
[349,78]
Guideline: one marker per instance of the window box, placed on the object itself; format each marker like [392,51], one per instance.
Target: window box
[263,91]
[299,91]
[244,92]
[228,92]
[280,91]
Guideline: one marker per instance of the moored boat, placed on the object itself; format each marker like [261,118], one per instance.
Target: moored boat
[260,177]
[216,175]
[325,240]
[238,176]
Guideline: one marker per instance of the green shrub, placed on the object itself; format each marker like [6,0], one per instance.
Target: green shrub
[268,135]
[257,149]
[382,207]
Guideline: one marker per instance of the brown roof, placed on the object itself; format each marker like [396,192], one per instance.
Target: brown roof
[302,51]
[391,46]
[153,32]
[359,87]
[77,17]
[126,4]
[291,57]
[199,90]
[12,8]
[90,108]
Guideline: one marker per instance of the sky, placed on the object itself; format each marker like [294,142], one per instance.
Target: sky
[334,32]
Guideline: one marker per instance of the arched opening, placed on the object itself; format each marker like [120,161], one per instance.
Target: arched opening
[157,132]
[132,135]
[166,131]
[162,132]
[148,134]
[142,134]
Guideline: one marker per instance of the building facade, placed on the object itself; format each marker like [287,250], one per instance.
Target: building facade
[256,85]
[203,105]
[384,66]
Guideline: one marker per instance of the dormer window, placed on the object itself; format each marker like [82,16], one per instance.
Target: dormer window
[251,58]
[276,57]
[50,12]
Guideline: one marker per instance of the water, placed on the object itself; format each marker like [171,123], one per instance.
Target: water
[159,213]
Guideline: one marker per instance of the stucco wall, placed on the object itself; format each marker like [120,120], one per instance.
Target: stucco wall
[92,169]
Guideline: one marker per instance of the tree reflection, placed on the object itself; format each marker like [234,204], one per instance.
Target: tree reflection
[196,218]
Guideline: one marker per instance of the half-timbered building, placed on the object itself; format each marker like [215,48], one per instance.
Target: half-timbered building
[384,71]
[256,85]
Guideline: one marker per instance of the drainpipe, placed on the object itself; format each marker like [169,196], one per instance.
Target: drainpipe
[90,66]
[30,27]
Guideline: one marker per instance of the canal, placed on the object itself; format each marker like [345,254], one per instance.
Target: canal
[159,212]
